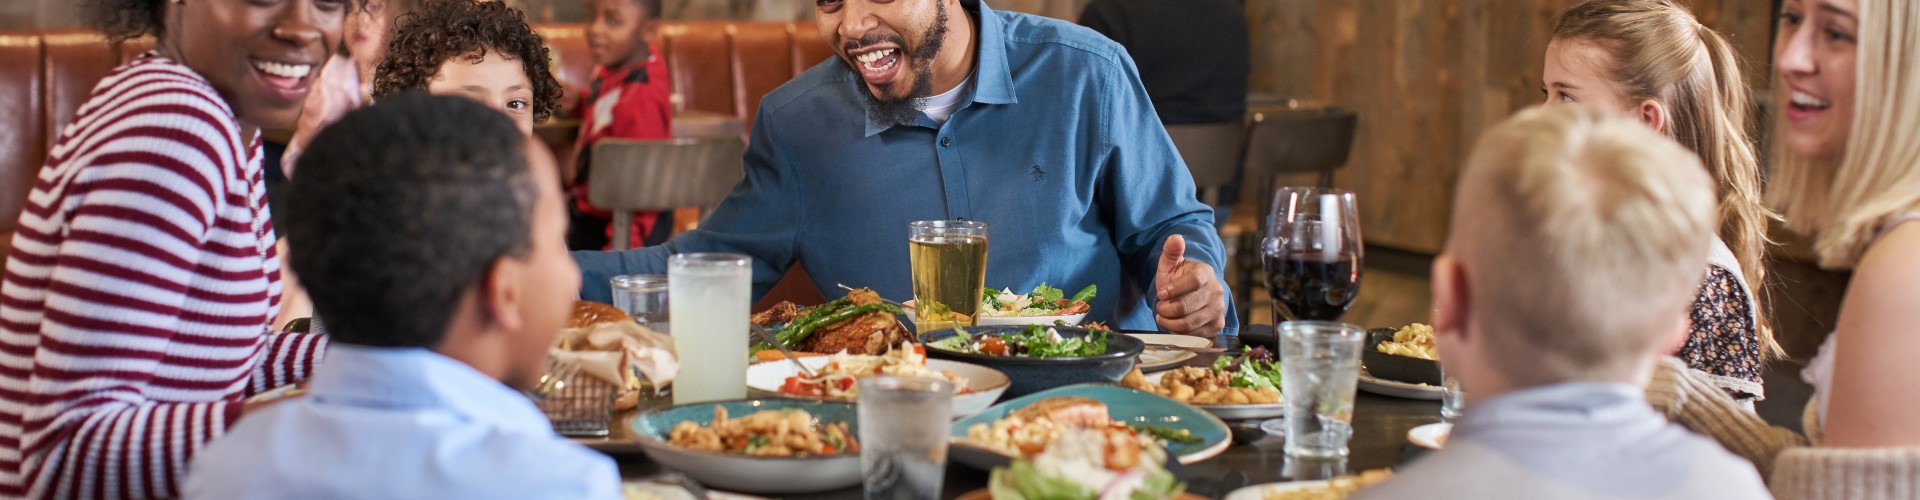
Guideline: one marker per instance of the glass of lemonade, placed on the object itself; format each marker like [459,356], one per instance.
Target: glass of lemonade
[949,259]
[1320,369]
[903,436]
[709,297]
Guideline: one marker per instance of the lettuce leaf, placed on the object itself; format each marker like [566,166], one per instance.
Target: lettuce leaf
[1021,481]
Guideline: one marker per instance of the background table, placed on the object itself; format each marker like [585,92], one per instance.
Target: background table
[1380,426]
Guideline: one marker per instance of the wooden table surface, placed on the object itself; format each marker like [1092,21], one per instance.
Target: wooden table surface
[1380,426]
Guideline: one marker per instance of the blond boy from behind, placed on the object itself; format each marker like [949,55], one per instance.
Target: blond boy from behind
[1578,241]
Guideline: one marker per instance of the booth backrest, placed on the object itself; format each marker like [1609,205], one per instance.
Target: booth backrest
[722,67]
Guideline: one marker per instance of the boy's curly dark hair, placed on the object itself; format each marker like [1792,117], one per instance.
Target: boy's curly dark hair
[445,29]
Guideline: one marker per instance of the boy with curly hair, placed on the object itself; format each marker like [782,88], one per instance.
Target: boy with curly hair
[480,50]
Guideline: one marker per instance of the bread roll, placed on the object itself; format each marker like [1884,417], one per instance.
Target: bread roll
[586,313]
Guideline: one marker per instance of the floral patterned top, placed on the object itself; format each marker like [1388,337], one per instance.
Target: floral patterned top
[1723,340]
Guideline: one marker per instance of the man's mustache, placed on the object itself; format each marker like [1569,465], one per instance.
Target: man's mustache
[853,45]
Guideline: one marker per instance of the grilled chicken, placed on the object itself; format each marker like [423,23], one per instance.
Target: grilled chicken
[871,333]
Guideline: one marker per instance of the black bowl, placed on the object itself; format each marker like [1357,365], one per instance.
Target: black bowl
[1031,375]
[1397,368]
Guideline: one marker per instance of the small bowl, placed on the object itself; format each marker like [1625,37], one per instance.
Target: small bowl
[1071,319]
[1397,368]
[734,472]
[1032,375]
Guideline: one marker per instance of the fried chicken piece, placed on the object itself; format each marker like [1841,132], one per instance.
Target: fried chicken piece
[780,313]
[871,333]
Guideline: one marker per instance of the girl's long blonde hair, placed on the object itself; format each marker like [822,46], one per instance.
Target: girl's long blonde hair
[1844,206]
[1661,52]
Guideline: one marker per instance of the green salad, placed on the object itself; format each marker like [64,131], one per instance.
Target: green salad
[1042,301]
[1083,464]
[1034,341]
[1254,368]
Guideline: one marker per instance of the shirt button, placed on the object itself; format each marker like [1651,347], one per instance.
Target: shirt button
[946,142]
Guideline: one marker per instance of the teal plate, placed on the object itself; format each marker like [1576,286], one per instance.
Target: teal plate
[734,472]
[1123,404]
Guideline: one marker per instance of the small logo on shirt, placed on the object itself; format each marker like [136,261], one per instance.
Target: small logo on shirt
[1037,174]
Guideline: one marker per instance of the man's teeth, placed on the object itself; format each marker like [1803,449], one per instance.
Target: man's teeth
[283,70]
[1804,100]
[869,58]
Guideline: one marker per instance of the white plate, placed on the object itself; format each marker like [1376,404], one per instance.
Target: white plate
[1430,436]
[1236,412]
[1071,319]
[986,383]
[1396,389]
[1160,359]
[1260,491]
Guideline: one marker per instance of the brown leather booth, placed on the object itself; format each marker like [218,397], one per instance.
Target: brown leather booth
[721,67]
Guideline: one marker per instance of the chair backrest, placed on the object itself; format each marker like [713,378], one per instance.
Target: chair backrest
[1212,151]
[644,175]
[1309,140]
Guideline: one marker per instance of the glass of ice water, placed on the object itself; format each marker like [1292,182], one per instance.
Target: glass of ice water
[903,436]
[643,296]
[1320,368]
[1452,400]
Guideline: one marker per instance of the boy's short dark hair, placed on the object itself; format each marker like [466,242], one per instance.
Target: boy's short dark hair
[402,208]
[441,30]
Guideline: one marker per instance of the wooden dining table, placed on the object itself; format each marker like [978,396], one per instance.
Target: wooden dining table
[1380,426]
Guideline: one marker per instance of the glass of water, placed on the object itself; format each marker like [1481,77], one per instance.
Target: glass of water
[1320,369]
[1452,400]
[710,295]
[643,296]
[903,436]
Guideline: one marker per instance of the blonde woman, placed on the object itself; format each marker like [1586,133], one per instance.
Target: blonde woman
[1848,132]
[1652,60]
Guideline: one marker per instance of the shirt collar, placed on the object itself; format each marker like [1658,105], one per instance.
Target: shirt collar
[420,379]
[992,81]
[1575,403]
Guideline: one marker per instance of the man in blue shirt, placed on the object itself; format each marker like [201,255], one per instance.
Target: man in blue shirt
[946,109]
[432,321]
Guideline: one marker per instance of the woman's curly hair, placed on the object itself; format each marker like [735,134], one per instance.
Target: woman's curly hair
[445,29]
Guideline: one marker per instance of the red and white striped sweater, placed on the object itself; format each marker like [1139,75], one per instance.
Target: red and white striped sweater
[135,307]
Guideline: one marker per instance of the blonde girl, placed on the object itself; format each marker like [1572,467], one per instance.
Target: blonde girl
[1652,60]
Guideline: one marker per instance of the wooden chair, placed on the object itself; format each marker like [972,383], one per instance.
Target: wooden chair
[642,175]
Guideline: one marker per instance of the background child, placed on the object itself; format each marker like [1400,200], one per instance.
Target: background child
[481,50]
[630,98]
[1578,240]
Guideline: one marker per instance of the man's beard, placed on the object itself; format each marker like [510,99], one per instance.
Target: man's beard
[901,111]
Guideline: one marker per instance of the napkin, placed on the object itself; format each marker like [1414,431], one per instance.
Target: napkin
[607,351]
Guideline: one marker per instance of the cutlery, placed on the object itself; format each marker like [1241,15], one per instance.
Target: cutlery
[768,337]
[1195,350]
[843,286]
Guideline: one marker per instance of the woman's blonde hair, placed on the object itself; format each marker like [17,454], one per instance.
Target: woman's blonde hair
[1661,52]
[1845,205]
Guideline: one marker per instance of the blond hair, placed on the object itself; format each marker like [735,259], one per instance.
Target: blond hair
[1584,244]
[1845,205]
[1661,52]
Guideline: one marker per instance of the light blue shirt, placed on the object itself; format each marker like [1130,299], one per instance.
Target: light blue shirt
[1575,441]
[1056,146]
[400,424]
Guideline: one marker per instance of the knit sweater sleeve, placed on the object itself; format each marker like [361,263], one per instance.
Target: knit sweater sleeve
[1693,401]
[1847,473]
[286,358]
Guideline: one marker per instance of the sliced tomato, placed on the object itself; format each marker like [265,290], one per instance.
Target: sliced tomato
[846,383]
[799,387]
[993,346]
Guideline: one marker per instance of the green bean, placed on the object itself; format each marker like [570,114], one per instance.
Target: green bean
[812,315]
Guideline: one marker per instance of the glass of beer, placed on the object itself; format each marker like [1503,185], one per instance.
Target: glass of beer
[949,259]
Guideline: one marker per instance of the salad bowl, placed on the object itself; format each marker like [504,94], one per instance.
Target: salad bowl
[1032,374]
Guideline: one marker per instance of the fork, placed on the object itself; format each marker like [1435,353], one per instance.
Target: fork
[558,375]
[843,286]
[768,337]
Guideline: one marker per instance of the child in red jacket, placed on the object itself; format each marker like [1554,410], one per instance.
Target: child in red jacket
[630,98]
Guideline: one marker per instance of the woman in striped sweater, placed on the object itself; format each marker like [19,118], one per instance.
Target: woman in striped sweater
[135,304]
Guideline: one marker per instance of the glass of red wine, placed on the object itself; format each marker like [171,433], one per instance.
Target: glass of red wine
[1312,253]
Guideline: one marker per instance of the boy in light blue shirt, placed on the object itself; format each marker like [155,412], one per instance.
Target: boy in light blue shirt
[1579,238]
[431,236]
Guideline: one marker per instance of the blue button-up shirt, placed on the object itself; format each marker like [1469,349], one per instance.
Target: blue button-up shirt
[1057,148]
[400,423]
